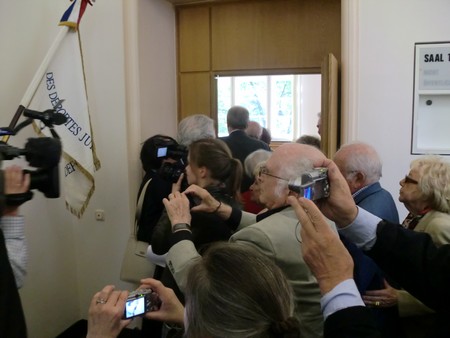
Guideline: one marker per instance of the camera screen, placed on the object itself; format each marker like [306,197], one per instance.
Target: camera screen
[162,152]
[135,307]
[308,193]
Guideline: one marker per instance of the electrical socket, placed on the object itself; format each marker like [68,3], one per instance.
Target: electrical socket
[100,215]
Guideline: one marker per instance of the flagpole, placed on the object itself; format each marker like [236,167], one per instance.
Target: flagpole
[33,86]
[35,82]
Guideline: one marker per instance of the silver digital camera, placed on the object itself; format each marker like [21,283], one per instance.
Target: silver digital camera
[141,301]
[312,185]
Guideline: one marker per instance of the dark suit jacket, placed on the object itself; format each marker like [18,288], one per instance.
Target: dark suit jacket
[413,260]
[12,320]
[378,201]
[152,206]
[241,145]
[352,322]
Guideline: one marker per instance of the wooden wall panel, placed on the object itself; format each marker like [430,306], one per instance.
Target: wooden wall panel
[248,36]
[274,34]
[195,94]
[194,39]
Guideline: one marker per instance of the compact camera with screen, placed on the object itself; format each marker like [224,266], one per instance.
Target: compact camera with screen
[312,185]
[141,301]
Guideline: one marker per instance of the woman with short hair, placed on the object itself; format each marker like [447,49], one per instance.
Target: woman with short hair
[425,192]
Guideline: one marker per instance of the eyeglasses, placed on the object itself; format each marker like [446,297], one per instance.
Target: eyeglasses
[408,179]
[264,171]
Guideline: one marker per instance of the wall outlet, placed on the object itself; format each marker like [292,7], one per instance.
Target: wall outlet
[100,215]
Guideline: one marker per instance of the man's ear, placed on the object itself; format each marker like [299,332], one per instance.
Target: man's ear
[360,180]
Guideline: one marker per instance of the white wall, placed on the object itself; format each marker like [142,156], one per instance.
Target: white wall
[383,61]
[71,259]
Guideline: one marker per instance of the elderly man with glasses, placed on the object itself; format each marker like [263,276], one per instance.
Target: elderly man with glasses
[274,233]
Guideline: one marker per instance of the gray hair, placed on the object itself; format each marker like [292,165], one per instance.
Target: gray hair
[237,117]
[236,291]
[254,159]
[361,157]
[195,127]
[309,139]
[254,129]
[434,173]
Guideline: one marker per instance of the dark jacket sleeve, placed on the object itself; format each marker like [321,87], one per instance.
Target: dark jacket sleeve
[352,322]
[12,320]
[161,235]
[412,259]
[152,206]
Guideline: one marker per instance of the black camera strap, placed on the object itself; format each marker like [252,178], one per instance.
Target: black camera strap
[18,199]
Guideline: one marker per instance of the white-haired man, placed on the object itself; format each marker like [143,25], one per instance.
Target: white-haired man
[362,169]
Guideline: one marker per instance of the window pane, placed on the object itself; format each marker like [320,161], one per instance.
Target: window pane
[223,103]
[281,112]
[251,93]
[286,104]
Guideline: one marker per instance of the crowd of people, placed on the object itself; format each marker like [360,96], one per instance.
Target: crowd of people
[246,256]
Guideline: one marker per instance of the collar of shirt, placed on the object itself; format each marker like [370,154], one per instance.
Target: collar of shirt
[356,193]
[266,214]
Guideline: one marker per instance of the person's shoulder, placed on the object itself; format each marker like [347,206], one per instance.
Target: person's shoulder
[257,144]
[375,193]
[437,219]
[283,218]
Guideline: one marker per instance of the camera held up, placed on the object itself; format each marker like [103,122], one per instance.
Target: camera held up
[312,185]
[42,154]
[171,171]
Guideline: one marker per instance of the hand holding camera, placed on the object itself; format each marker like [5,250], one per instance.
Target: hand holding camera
[16,182]
[312,185]
[339,206]
[105,313]
[111,310]
[170,310]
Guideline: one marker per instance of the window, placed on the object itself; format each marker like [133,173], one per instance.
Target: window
[285,104]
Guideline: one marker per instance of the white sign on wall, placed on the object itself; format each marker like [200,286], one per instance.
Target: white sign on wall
[431,109]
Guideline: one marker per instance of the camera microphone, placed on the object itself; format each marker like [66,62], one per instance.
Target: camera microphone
[48,117]
[43,152]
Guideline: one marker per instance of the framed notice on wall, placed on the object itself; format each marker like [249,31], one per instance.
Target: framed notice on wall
[431,106]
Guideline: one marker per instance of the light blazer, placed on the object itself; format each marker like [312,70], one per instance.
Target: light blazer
[437,225]
[277,237]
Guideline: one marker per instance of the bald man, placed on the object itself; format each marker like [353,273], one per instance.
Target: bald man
[361,166]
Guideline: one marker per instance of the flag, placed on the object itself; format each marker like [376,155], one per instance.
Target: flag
[62,78]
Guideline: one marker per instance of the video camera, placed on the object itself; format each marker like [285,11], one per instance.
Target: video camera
[41,153]
[172,171]
[312,185]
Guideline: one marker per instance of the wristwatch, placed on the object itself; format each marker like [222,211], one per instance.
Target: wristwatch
[181,226]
